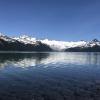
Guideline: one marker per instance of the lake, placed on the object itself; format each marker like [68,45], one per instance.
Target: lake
[50,76]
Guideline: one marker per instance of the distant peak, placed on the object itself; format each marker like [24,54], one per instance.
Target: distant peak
[95,40]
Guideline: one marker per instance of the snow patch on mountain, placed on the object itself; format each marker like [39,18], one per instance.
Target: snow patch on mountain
[26,39]
[62,45]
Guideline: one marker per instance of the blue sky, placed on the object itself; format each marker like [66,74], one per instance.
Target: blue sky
[52,19]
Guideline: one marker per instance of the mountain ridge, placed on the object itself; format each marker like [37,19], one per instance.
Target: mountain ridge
[26,43]
[11,44]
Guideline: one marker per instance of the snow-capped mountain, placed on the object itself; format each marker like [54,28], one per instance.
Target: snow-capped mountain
[59,45]
[21,44]
[92,43]
[92,46]
[6,38]
[55,45]
[26,39]
[26,43]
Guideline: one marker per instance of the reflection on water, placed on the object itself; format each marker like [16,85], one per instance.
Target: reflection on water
[21,59]
[50,76]
[33,59]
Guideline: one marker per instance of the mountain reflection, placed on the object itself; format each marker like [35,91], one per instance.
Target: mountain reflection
[33,59]
[21,59]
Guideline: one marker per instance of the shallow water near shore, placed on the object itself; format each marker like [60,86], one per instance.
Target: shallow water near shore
[50,76]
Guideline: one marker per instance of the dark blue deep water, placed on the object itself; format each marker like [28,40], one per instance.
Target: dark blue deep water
[50,76]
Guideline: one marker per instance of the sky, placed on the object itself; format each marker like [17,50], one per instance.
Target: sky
[68,20]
